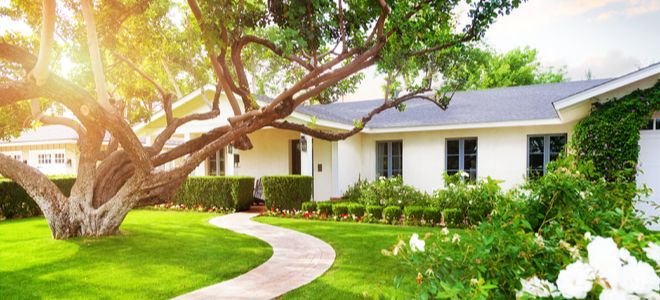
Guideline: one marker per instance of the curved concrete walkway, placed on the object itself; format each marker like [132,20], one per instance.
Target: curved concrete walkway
[297,259]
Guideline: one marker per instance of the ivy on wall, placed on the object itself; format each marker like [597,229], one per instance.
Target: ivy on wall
[609,136]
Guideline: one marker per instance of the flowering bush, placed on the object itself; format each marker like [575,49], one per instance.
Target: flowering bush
[414,214]
[309,206]
[198,208]
[474,200]
[391,191]
[357,210]
[534,245]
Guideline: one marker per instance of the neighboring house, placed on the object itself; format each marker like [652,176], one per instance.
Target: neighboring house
[504,133]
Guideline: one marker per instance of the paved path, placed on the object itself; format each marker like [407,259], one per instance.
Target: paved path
[297,259]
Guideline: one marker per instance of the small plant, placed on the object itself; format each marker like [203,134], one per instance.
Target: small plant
[340,209]
[375,211]
[324,208]
[392,214]
[414,214]
[356,209]
[432,215]
[309,207]
[354,192]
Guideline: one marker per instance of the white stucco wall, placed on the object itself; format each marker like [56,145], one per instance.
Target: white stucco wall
[271,154]
[501,154]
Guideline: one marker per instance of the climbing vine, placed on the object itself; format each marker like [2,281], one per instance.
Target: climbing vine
[609,136]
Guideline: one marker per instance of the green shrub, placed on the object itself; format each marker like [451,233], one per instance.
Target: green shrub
[229,192]
[392,214]
[16,203]
[414,213]
[325,208]
[432,215]
[356,209]
[309,206]
[391,191]
[375,211]
[340,209]
[287,192]
[354,192]
[453,217]
[473,199]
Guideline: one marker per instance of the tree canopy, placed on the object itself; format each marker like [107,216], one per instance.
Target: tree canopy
[130,57]
[487,68]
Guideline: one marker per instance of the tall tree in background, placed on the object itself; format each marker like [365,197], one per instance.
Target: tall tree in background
[133,53]
[486,69]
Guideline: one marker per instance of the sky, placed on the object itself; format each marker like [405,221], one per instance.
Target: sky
[608,37]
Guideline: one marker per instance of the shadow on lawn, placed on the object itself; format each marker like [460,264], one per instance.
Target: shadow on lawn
[158,259]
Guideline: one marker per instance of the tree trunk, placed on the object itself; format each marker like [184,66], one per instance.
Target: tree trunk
[79,219]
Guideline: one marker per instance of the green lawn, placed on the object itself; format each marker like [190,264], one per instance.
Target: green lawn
[158,255]
[360,270]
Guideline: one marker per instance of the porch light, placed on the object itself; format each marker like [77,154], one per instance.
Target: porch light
[303,144]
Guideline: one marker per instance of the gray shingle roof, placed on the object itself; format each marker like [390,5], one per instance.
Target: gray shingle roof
[45,134]
[533,102]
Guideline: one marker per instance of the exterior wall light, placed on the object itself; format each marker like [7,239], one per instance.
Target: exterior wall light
[303,144]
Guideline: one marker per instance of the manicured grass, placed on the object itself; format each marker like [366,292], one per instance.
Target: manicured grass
[159,255]
[360,270]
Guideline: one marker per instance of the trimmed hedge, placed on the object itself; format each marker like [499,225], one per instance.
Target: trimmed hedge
[414,213]
[356,209]
[325,208]
[340,209]
[432,215]
[230,192]
[375,211]
[453,217]
[392,214]
[287,192]
[16,203]
[309,207]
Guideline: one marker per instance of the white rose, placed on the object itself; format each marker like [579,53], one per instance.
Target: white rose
[616,294]
[603,255]
[653,252]
[576,280]
[416,244]
[444,231]
[624,256]
[587,236]
[537,287]
[455,238]
[639,278]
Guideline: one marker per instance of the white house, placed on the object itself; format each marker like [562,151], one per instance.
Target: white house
[503,133]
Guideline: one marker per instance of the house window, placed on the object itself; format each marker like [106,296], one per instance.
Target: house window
[462,156]
[44,158]
[59,158]
[542,149]
[14,155]
[652,124]
[389,158]
[216,164]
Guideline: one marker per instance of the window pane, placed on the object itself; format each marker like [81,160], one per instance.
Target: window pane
[396,148]
[472,173]
[452,147]
[452,162]
[649,125]
[452,172]
[470,146]
[470,162]
[536,145]
[536,161]
[396,163]
[557,143]
[657,124]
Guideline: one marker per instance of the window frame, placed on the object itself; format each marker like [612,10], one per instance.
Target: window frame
[461,155]
[16,155]
[546,150]
[390,155]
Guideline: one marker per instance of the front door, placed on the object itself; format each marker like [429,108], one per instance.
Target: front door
[295,157]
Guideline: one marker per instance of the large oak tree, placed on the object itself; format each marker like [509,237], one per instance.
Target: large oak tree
[141,54]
